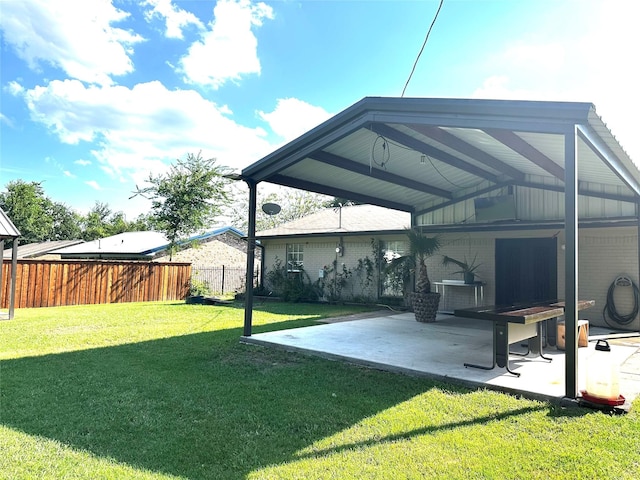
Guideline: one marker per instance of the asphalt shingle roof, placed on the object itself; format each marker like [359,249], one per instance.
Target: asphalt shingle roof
[351,219]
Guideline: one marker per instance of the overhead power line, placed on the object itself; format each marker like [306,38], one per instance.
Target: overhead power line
[422,48]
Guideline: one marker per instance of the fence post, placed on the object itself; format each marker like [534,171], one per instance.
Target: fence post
[222,279]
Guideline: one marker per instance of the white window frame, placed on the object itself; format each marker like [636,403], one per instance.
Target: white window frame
[295,257]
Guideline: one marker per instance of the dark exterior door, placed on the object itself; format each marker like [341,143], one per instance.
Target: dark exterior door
[526,270]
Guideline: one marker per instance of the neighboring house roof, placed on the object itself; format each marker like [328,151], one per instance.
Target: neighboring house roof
[7,228]
[132,245]
[32,250]
[355,219]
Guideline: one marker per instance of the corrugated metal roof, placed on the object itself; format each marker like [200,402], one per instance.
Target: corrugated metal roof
[348,219]
[41,248]
[7,228]
[133,244]
[412,154]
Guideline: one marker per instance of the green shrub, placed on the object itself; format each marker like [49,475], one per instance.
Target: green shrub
[199,288]
[290,286]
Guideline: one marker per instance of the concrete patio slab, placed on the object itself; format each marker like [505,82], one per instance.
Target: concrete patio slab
[396,342]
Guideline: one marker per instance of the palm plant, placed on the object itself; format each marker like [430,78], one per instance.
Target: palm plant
[422,247]
[467,269]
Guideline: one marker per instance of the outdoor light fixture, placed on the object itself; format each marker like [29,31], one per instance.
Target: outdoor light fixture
[339,250]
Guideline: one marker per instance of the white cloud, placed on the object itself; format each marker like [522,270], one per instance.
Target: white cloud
[81,41]
[82,163]
[59,166]
[175,18]
[6,120]
[14,88]
[292,117]
[140,130]
[93,184]
[229,49]
[501,87]
[531,57]
[589,60]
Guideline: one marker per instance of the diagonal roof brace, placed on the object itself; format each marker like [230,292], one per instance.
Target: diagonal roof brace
[450,140]
[350,165]
[518,145]
[407,140]
[287,181]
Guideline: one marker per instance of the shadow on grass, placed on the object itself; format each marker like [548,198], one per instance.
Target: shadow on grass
[424,430]
[199,406]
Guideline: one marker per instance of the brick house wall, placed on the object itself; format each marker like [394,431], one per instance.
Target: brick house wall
[604,254]
[225,249]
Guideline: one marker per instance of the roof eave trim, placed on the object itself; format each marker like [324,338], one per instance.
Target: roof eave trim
[369,233]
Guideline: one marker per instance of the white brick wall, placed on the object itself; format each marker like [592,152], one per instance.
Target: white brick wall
[604,254]
[320,253]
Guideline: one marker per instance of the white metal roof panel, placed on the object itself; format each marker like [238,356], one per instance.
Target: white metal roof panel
[7,228]
[475,145]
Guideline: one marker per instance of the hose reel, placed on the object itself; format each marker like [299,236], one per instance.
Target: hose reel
[623,281]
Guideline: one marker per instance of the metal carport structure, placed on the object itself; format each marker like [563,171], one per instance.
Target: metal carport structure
[431,157]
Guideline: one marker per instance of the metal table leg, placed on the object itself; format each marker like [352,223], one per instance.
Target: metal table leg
[500,349]
[539,342]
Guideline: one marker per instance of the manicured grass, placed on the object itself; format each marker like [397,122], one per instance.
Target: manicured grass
[165,390]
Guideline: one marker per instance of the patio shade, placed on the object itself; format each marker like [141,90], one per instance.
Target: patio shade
[420,154]
[426,155]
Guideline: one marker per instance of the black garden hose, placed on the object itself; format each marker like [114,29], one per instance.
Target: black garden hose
[610,307]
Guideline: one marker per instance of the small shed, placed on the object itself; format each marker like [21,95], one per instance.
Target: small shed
[8,231]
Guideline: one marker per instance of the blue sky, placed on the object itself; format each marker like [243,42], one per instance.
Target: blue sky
[96,94]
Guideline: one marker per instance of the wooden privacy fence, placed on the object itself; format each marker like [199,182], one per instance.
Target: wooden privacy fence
[49,283]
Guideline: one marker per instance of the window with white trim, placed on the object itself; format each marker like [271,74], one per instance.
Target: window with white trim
[295,257]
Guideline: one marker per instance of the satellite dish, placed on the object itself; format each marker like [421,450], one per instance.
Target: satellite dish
[271,208]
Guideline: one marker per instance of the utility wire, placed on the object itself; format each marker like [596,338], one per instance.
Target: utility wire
[421,49]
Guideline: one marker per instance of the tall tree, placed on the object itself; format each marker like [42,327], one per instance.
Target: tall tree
[188,197]
[293,204]
[66,222]
[29,209]
[96,222]
[102,222]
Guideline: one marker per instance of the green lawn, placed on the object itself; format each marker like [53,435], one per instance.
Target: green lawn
[165,390]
